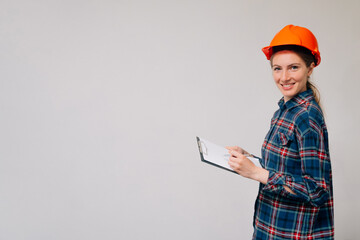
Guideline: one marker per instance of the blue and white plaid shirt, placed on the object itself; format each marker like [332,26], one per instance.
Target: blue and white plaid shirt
[296,154]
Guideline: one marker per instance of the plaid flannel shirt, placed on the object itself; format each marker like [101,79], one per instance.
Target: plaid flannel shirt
[296,154]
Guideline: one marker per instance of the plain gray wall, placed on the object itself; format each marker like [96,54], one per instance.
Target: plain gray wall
[101,101]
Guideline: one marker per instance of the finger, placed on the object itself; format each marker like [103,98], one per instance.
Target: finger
[236,153]
[232,164]
[236,148]
[235,160]
[230,148]
[232,159]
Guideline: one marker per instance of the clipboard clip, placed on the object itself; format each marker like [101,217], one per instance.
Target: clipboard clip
[202,147]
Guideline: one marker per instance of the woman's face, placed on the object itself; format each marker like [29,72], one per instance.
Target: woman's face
[290,73]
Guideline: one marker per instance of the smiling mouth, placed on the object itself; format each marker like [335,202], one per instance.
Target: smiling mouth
[287,86]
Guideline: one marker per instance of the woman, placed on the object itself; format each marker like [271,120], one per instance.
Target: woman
[295,199]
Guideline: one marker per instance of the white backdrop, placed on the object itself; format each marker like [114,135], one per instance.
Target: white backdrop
[101,101]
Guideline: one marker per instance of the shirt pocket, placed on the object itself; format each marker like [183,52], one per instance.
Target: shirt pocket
[284,139]
[283,153]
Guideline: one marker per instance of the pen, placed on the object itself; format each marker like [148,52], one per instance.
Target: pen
[251,155]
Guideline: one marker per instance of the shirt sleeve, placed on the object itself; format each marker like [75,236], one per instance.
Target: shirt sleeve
[313,184]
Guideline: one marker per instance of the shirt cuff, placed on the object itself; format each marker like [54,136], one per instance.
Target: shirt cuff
[276,182]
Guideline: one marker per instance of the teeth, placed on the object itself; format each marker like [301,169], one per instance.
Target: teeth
[287,85]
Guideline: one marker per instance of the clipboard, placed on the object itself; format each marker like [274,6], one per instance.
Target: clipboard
[218,156]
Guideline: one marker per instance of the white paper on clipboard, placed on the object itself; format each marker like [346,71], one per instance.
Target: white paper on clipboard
[217,155]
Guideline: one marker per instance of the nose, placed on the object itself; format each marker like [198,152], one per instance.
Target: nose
[285,76]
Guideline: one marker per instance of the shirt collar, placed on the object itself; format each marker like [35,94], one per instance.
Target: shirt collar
[299,99]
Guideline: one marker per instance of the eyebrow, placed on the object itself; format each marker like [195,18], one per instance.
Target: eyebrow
[287,65]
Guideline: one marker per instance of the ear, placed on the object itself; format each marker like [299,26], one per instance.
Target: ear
[311,68]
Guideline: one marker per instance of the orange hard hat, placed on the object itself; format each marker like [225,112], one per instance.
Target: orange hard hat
[295,35]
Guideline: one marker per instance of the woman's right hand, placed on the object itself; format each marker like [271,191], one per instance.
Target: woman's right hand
[237,149]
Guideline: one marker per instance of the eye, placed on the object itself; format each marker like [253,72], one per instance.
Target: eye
[276,69]
[294,67]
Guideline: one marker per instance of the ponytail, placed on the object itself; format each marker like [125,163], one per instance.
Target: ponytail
[316,93]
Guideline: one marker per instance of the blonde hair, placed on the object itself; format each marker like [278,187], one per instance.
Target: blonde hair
[316,92]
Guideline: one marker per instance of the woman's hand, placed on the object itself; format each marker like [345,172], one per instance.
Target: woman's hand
[241,164]
[237,149]
[244,166]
